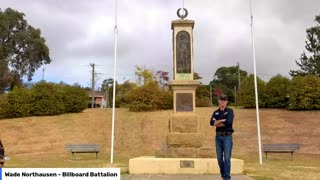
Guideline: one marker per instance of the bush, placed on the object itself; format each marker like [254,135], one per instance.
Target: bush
[121,101]
[246,93]
[165,100]
[3,105]
[19,103]
[203,102]
[43,99]
[75,99]
[47,99]
[276,92]
[304,93]
[149,97]
[144,98]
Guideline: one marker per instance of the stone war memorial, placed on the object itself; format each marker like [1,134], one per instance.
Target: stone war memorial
[183,152]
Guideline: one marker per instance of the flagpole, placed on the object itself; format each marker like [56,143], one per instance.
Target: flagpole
[255,87]
[114,81]
[182,9]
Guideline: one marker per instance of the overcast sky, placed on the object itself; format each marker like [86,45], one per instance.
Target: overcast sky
[80,32]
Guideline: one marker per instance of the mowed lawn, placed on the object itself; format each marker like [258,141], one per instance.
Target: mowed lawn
[40,141]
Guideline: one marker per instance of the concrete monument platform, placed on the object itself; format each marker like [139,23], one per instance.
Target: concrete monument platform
[154,165]
[181,177]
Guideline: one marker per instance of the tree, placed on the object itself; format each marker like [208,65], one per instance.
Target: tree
[196,76]
[277,92]
[144,75]
[203,96]
[19,103]
[47,99]
[310,64]
[228,76]
[304,93]
[105,86]
[163,78]
[22,49]
[122,93]
[225,80]
[247,93]
[75,98]
[3,105]
[218,90]
[144,98]
[5,76]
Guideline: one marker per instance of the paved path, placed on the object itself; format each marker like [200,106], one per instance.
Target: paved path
[181,177]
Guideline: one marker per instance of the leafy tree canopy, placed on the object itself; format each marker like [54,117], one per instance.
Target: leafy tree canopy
[310,62]
[22,49]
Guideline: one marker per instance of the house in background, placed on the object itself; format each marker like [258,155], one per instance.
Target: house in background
[100,99]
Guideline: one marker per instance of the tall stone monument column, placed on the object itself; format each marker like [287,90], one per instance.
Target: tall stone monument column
[184,138]
[183,152]
[183,84]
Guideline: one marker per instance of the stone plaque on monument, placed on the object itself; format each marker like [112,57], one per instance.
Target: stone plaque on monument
[184,102]
[183,52]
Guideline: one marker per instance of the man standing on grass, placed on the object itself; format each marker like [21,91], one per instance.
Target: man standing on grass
[2,157]
[222,118]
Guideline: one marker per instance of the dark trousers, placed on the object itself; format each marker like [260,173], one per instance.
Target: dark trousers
[224,148]
[1,157]
[1,153]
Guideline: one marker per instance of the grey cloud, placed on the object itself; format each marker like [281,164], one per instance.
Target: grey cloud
[221,34]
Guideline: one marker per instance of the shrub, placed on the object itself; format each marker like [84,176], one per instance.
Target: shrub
[19,103]
[276,92]
[247,93]
[121,101]
[304,93]
[75,99]
[47,99]
[3,105]
[203,102]
[43,99]
[165,99]
[149,97]
[144,98]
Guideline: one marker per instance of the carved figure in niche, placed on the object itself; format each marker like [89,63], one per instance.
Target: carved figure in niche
[183,52]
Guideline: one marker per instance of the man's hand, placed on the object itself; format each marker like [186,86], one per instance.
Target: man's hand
[220,125]
[217,122]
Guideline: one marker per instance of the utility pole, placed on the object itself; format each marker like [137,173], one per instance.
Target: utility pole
[235,96]
[92,85]
[238,75]
[42,74]
[107,96]
[235,88]
[210,94]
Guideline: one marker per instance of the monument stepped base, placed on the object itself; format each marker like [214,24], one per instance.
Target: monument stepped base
[184,152]
[154,165]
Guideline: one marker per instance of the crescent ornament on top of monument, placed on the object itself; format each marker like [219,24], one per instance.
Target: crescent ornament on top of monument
[183,15]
